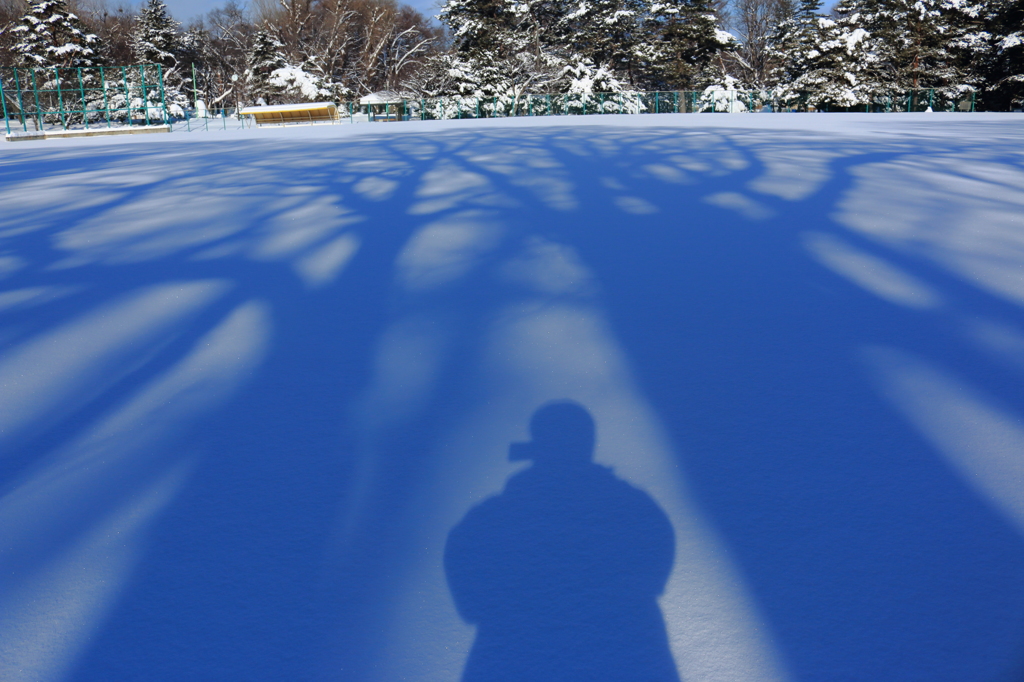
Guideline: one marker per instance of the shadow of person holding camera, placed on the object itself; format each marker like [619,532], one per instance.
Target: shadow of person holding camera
[561,571]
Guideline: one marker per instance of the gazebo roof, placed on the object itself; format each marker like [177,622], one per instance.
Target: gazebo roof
[383,97]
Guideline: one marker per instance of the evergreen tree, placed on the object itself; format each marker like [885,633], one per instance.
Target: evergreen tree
[833,72]
[1006,76]
[796,43]
[303,82]
[51,38]
[50,35]
[607,34]
[515,46]
[264,58]
[502,49]
[820,61]
[909,43]
[688,45]
[155,40]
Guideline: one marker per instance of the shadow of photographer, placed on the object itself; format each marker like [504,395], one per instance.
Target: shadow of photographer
[561,572]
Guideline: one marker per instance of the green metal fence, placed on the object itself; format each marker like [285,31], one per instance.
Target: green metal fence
[446,108]
[112,96]
[662,102]
[206,120]
[68,98]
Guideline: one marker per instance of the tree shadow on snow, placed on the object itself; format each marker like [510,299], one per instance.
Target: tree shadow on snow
[241,375]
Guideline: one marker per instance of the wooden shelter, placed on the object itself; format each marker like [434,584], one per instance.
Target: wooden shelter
[386,105]
[285,114]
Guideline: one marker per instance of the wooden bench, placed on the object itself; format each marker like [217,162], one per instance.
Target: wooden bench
[285,114]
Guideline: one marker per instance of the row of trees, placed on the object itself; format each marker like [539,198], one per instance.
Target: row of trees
[286,50]
[867,50]
[864,53]
[271,51]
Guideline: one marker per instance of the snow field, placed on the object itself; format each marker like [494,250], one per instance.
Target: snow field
[252,379]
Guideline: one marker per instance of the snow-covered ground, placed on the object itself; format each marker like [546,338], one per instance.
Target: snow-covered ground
[251,380]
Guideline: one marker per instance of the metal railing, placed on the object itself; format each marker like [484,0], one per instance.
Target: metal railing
[53,99]
[661,102]
[205,120]
[57,98]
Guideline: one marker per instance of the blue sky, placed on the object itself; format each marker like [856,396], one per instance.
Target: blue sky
[183,10]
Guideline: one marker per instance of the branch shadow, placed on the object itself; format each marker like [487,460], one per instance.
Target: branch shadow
[282,555]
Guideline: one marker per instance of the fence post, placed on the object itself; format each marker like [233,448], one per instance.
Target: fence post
[163,100]
[106,102]
[60,100]
[85,107]
[931,98]
[127,95]
[35,91]
[974,95]
[21,101]
[145,95]
[3,100]
[657,103]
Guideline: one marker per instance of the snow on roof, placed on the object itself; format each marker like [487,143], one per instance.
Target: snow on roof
[383,97]
[274,108]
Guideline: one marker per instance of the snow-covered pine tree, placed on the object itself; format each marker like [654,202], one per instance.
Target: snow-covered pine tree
[502,49]
[909,44]
[52,41]
[264,58]
[305,82]
[609,35]
[832,73]
[49,34]
[687,45]
[155,40]
[585,87]
[795,44]
[970,45]
[819,61]
[1006,77]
